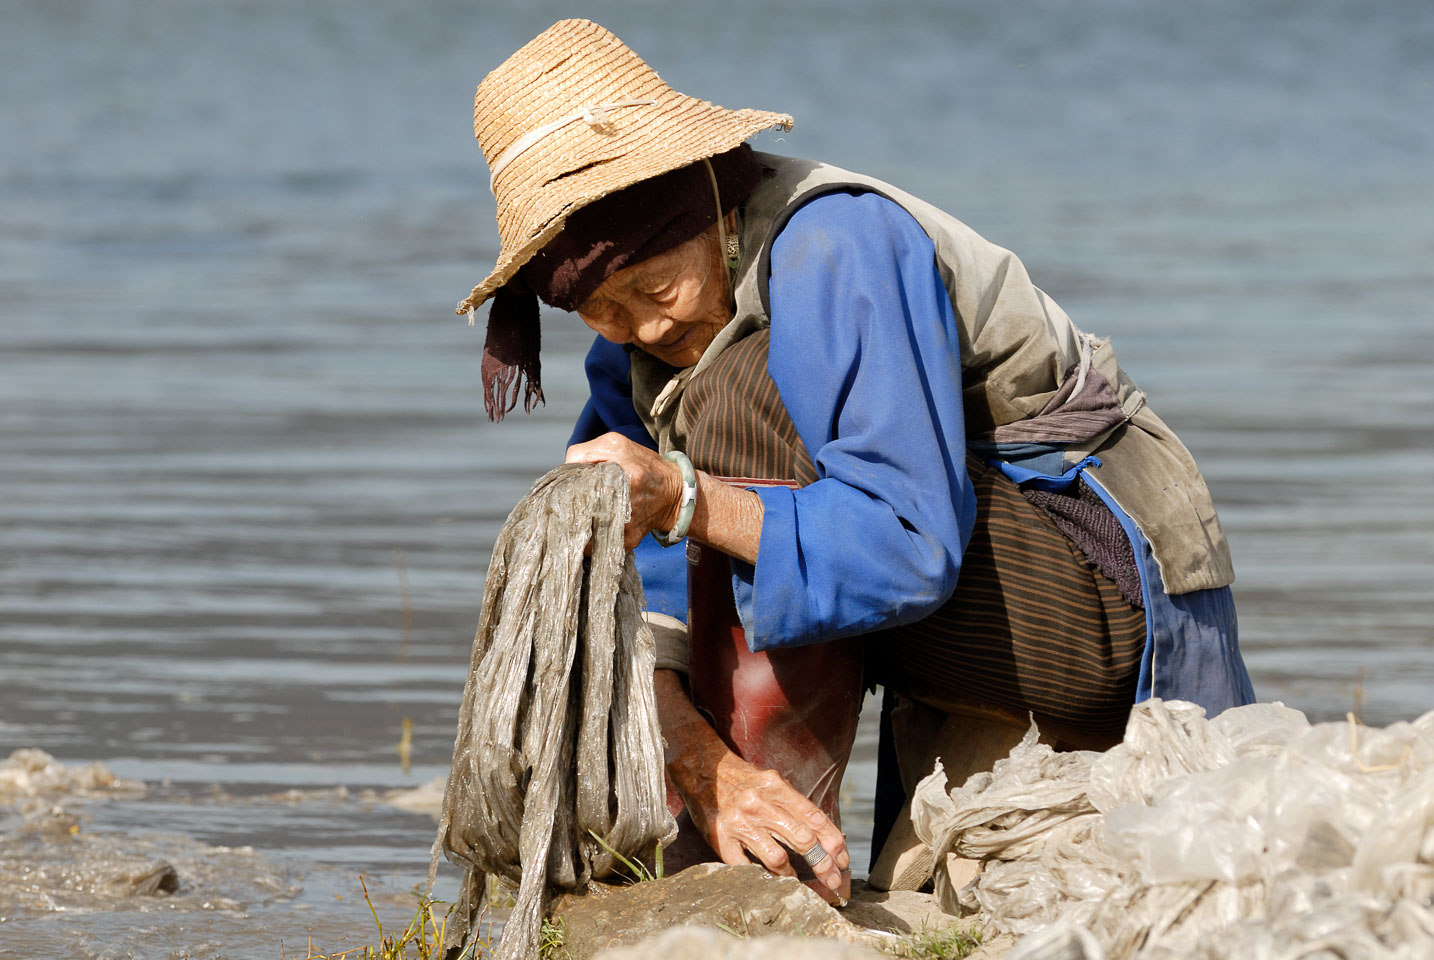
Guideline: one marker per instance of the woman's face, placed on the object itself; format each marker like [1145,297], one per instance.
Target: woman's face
[671,305]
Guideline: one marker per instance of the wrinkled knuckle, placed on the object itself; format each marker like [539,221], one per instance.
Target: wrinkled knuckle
[750,801]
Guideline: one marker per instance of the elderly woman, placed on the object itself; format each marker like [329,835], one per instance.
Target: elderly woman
[893,459]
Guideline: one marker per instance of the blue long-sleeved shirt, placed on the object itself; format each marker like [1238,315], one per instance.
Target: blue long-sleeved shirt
[864,352]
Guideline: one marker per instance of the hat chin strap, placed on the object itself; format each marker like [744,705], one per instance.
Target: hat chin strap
[594,115]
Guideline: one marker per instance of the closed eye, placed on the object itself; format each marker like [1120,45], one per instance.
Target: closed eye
[654,283]
[600,313]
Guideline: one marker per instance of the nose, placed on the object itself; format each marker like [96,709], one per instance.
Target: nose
[649,326]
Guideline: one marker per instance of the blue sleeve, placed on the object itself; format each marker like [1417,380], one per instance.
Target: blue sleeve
[866,356]
[609,409]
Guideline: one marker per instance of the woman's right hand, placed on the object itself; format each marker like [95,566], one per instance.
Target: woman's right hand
[748,810]
[741,809]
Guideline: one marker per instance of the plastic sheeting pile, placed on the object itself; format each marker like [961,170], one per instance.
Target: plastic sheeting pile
[1253,835]
[558,738]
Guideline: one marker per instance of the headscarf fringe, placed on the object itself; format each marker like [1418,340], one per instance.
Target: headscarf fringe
[511,352]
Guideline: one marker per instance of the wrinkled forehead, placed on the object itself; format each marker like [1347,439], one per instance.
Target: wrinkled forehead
[687,260]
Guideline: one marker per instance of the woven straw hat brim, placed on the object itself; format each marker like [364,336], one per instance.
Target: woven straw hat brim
[574,65]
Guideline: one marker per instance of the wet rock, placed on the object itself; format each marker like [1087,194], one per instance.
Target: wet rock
[738,901]
[47,874]
[70,871]
[909,913]
[146,879]
[704,943]
[896,911]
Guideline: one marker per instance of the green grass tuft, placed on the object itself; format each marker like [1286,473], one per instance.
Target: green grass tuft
[637,871]
[550,940]
[944,943]
[421,939]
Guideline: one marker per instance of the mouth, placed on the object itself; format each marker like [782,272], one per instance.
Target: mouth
[665,351]
[676,344]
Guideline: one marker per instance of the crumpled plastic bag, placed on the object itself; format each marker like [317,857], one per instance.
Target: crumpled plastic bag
[1253,835]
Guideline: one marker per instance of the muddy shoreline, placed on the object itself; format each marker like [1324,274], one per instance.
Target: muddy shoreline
[148,892]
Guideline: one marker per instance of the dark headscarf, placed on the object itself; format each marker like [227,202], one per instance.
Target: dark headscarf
[617,231]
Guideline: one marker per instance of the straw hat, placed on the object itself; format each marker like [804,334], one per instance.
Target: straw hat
[574,116]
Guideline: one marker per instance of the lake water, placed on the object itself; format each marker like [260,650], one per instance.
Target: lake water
[247,491]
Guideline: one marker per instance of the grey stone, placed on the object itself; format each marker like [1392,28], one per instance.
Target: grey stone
[740,901]
[144,879]
[745,913]
[704,943]
[896,911]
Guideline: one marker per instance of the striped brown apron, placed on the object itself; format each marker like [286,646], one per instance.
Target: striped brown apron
[1031,627]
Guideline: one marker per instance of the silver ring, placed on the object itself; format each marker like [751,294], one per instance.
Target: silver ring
[815,855]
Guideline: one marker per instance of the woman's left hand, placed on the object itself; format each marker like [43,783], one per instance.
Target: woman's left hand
[654,484]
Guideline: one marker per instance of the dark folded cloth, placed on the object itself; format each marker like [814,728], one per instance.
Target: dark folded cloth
[1081,410]
[1082,516]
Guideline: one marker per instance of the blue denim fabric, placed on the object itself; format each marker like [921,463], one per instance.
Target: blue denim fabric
[1192,651]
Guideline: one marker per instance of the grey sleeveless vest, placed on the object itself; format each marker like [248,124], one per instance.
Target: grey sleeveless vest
[1016,346]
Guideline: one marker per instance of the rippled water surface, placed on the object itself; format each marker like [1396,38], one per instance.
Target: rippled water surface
[249,493]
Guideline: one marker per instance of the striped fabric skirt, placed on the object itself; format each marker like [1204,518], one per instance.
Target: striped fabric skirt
[1031,628]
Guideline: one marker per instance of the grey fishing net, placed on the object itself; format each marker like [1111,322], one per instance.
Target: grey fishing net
[1251,836]
[558,741]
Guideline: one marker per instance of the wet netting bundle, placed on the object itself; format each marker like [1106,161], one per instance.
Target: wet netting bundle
[1251,836]
[558,742]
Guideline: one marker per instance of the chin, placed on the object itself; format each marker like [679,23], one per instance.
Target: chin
[688,351]
[679,360]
